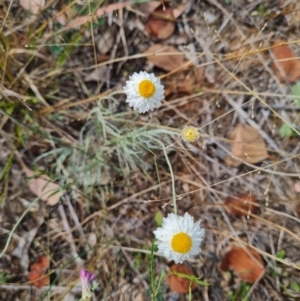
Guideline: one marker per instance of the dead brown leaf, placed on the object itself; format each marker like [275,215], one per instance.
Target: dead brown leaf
[35,6]
[287,65]
[165,57]
[245,262]
[248,145]
[240,205]
[43,187]
[161,22]
[179,284]
[37,272]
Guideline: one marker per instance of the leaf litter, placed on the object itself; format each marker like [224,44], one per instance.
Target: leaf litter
[132,199]
[37,272]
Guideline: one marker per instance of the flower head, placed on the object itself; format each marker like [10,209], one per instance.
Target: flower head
[179,237]
[144,91]
[190,133]
[86,278]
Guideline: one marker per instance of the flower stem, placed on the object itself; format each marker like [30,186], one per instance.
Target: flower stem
[172,178]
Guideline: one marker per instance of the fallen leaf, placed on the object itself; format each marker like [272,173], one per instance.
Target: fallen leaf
[165,57]
[44,262]
[37,272]
[99,13]
[287,65]
[35,6]
[99,74]
[179,284]
[245,262]
[161,22]
[43,187]
[241,205]
[248,145]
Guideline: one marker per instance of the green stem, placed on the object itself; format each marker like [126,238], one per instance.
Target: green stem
[172,177]
[152,268]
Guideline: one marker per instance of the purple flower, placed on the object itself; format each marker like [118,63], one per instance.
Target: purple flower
[86,278]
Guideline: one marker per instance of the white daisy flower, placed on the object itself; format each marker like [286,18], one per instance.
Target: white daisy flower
[144,91]
[179,237]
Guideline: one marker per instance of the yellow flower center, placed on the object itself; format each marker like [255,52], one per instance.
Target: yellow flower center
[181,243]
[190,133]
[146,88]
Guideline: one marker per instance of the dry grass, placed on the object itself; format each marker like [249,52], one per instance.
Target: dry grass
[110,162]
